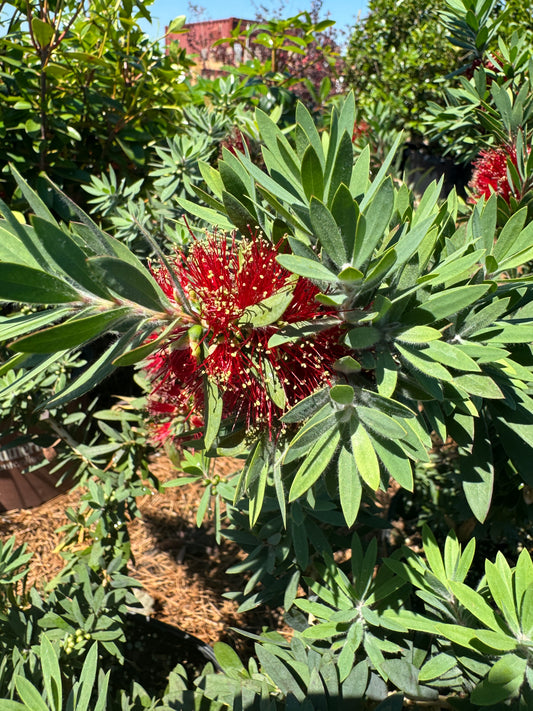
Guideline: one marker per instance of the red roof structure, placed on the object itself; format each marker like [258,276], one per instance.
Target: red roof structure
[199,40]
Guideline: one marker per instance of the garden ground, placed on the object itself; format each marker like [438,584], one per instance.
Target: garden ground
[181,567]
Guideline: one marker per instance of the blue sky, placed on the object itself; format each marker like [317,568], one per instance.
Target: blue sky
[163,11]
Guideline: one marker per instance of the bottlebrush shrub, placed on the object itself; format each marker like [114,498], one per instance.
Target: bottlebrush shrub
[429,328]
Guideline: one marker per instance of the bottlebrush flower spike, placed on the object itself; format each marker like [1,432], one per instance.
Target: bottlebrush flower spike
[490,173]
[241,297]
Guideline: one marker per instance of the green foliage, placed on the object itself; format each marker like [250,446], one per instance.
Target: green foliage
[432,302]
[398,55]
[83,87]
[492,103]
[286,58]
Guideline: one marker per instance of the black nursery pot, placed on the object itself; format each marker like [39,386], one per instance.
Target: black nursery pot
[153,648]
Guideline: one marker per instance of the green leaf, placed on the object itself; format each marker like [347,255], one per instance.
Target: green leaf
[433,555]
[32,286]
[66,254]
[383,171]
[347,365]
[69,334]
[454,269]
[269,310]
[410,241]
[526,612]
[135,355]
[274,387]
[276,142]
[377,218]
[346,658]
[365,457]
[322,630]
[306,407]
[129,282]
[451,355]
[345,212]
[489,694]
[381,267]
[312,177]
[327,232]
[8,705]
[42,31]
[350,489]
[341,170]
[228,659]
[477,320]
[306,267]
[437,666]
[29,695]
[503,332]
[97,371]
[499,580]
[342,394]
[450,301]
[355,684]
[13,250]
[291,591]
[33,200]
[380,422]
[419,335]
[498,641]
[476,605]
[480,385]
[13,326]
[306,123]
[176,25]
[314,464]
[214,218]
[393,408]
[360,174]
[203,505]
[421,361]
[477,472]
[362,337]
[509,235]
[279,673]
[239,215]
[51,673]
[322,421]
[403,675]
[301,329]
[386,373]
[213,413]
[463,636]
[523,579]
[395,462]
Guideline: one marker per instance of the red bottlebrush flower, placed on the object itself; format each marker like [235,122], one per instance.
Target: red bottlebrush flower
[361,128]
[487,64]
[490,173]
[222,279]
[236,141]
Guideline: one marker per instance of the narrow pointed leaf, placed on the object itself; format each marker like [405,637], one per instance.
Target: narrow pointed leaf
[32,286]
[129,282]
[315,463]
[69,334]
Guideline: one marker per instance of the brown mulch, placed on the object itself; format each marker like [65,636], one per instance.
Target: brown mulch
[179,565]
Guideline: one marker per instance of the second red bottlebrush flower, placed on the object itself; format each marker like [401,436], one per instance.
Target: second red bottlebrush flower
[241,297]
[490,173]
